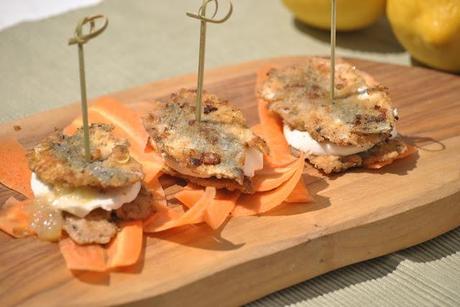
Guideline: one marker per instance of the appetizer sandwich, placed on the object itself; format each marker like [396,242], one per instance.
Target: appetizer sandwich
[219,151]
[86,198]
[356,128]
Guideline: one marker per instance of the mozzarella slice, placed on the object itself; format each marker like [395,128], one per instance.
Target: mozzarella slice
[302,140]
[81,201]
[253,162]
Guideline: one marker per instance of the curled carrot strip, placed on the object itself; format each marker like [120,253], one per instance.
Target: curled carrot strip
[192,216]
[126,248]
[15,218]
[272,132]
[260,202]
[270,177]
[271,127]
[190,194]
[300,194]
[163,213]
[219,209]
[14,167]
[83,257]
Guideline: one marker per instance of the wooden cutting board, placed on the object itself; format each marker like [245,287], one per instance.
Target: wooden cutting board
[355,216]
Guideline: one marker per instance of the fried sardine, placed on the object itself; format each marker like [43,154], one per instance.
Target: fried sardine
[356,127]
[217,151]
[92,195]
[60,160]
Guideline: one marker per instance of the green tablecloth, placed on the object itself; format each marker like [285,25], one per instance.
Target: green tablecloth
[153,40]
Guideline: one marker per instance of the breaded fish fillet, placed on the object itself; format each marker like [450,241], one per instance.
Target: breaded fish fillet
[96,227]
[360,115]
[60,160]
[214,148]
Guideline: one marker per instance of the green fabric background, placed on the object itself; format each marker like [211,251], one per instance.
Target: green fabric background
[153,40]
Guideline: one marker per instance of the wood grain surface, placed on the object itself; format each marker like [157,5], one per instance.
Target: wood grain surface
[355,216]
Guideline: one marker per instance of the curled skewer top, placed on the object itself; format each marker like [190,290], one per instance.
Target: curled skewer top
[81,38]
[201,15]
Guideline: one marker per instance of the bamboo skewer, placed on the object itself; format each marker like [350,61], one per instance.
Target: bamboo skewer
[80,39]
[201,15]
[333,31]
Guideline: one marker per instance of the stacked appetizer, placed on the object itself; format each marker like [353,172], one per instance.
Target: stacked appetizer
[87,198]
[220,151]
[356,128]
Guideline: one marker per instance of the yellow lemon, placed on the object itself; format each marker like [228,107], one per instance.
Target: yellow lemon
[429,30]
[351,14]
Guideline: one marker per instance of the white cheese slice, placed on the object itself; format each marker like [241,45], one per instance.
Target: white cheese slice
[302,140]
[80,201]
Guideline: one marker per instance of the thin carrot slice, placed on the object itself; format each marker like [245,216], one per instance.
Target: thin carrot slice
[218,211]
[109,110]
[152,165]
[93,117]
[163,213]
[377,165]
[271,127]
[190,195]
[125,118]
[192,216]
[83,257]
[15,218]
[261,202]
[125,249]
[300,193]
[14,167]
[270,178]
[258,129]
[280,153]
[162,216]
